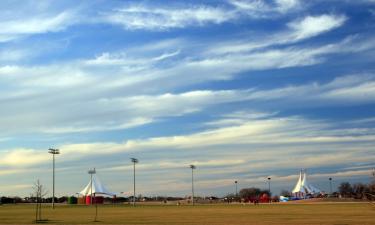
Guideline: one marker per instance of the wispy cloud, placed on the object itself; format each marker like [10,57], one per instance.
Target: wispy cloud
[124,93]
[265,9]
[159,18]
[314,25]
[298,30]
[162,18]
[16,28]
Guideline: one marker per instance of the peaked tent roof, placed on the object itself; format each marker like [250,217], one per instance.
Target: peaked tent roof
[97,187]
[299,187]
[310,188]
[303,186]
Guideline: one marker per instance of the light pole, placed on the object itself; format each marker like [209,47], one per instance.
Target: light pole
[134,161]
[330,185]
[91,172]
[53,152]
[192,182]
[269,184]
[235,183]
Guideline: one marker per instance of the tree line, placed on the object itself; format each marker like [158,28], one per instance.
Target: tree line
[357,190]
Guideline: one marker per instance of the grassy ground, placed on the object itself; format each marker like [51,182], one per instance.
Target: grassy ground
[320,213]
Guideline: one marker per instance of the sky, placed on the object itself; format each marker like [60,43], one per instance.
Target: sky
[243,89]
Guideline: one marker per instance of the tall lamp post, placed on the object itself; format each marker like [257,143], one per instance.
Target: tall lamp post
[53,152]
[134,161]
[269,184]
[235,183]
[330,185]
[192,182]
[91,172]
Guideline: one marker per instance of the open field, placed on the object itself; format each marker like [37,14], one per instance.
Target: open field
[319,213]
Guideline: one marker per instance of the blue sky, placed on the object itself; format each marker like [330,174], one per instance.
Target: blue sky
[243,89]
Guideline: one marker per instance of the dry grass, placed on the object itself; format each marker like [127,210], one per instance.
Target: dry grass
[319,213]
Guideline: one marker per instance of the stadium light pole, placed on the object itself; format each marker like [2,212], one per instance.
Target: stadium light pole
[192,182]
[91,172]
[53,152]
[330,185]
[134,161]
[269,184]
[235,183]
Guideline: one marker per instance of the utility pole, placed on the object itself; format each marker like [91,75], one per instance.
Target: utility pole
[53,152]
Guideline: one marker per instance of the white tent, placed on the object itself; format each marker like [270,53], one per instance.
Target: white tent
[303,187]
[309,187]
[97,188]
[299,186]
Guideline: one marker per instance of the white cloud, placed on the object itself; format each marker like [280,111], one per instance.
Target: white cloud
[298,30]
[149,17]
[351,89]
[261,145]
[265,9]
[23,157]
[314,25]
[266,132]
[162,18]
[286,5]
[19,27]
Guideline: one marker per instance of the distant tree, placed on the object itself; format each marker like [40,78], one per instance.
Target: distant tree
[285,193]
[345,189]
[252,192]
[360,190]
[230,197]
[371,188]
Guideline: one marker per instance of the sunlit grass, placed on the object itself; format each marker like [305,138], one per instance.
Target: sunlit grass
[340,213]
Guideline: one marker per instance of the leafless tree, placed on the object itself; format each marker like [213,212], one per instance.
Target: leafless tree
[39,193]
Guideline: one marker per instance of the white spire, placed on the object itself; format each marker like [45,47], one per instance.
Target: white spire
[299,187]
[303,186]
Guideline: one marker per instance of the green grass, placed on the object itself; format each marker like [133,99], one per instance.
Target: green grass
[320,213]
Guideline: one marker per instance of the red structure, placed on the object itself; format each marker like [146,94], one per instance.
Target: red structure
[95,200]
[264,198]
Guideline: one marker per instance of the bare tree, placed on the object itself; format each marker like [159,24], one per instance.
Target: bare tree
[39,193]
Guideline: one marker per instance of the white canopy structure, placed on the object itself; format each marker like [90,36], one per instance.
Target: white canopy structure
[97,188]
[303,187]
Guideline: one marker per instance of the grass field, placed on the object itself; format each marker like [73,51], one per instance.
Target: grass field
[319,213]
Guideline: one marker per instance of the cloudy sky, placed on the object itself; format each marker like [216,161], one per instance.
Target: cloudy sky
[243,89]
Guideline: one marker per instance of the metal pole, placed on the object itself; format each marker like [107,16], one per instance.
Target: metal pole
[134,183]
[269,185]
[236,189]
[91,172]
[192,184]
[91,189]
[53,183]
[134,161]
[53,152]
[330,185]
